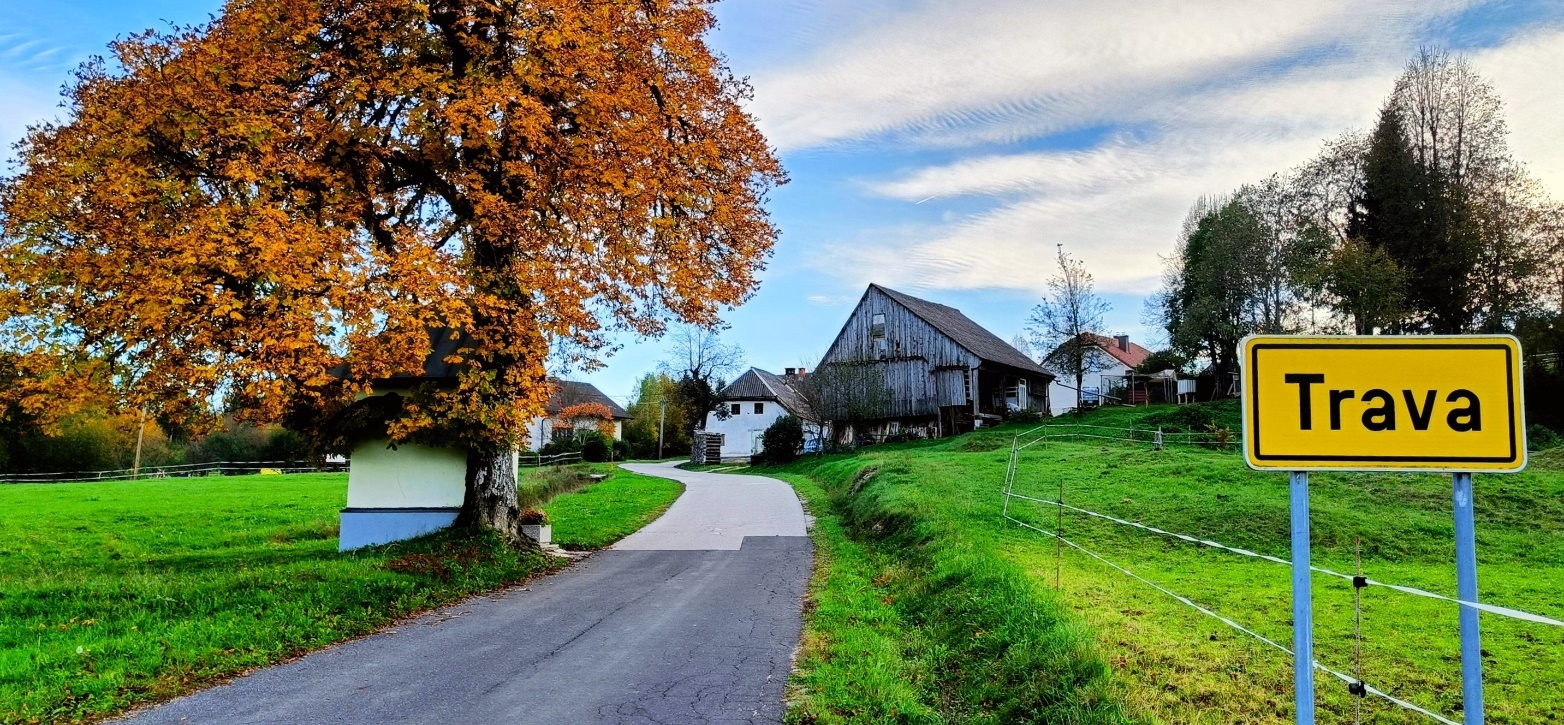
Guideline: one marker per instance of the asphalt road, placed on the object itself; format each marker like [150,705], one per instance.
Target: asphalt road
[691,620]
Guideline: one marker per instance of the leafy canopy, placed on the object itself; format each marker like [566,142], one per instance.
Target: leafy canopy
[230,210]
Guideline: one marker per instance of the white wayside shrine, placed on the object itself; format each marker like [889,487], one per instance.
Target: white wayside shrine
[409,490]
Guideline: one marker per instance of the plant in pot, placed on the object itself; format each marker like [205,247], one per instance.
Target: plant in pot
[535,525]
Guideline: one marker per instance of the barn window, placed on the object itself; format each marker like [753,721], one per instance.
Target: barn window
[880,348]
[877,329]
[760,408]
[735,409]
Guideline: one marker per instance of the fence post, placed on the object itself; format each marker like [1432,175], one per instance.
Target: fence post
[1302,600]
[1466,588]
[1158,445]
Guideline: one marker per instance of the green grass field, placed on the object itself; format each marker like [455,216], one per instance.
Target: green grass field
[1170,663]
[114,594]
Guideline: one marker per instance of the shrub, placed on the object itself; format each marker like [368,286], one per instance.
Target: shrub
[783,440]
[534,517]
[594,447]
[1027,416]
[623,451]
[561,445]
[1541,438]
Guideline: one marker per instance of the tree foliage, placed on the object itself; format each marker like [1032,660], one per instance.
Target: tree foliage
[783,440]
[1425,224]
[233,209]
[654,410]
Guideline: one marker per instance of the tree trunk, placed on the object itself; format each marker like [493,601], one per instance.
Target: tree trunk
[490,502]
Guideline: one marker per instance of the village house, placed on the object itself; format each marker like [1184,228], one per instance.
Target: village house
[573,395]
[751,403]
[1106,374]
[941,372]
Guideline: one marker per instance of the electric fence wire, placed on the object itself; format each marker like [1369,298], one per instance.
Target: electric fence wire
[1490,608]
[1350,681]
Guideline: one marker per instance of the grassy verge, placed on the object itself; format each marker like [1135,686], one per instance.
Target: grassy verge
[1177,665]
[923,577]
[611,510]
[114,594]
[915,615]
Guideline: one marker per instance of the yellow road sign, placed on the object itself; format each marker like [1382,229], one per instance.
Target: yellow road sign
[1383,403]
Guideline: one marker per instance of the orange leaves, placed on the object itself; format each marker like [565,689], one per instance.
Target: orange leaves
[300,184]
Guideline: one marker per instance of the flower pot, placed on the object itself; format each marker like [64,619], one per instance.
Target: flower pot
[537,532]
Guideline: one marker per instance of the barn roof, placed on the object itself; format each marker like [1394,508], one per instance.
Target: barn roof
[757,384]
[572,392]
[968,334]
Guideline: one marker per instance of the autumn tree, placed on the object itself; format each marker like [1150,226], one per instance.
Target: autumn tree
[234,209]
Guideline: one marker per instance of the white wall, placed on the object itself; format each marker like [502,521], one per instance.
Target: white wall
[541,431]
[741,432]
[1061,398]
[411,476]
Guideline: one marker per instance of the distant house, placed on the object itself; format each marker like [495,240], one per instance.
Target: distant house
[942,372]
[1116,359]
[752,403]
[569,393]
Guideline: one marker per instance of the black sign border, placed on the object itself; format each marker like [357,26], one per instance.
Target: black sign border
[1509,377]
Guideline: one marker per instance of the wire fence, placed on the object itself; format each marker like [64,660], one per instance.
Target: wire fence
[1156,438]
[1355,684]
[236,468]
[184,470]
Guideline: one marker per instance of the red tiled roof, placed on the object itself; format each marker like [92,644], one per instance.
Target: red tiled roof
[1131,358]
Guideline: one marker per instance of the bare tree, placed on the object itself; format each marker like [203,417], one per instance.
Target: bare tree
[844,395]
[1453,118]
[701,365]
[1066,322]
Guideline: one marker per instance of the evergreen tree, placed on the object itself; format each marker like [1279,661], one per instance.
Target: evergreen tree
[1424,223]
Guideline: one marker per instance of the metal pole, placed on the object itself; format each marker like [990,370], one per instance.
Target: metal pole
[1466,588]
[141,430]
[662,417]
[1302,600]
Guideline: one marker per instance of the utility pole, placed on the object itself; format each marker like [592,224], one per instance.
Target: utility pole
[141,429]
[662,416]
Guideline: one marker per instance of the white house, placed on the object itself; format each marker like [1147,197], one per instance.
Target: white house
[568,393]
[753,402]
[1119,356]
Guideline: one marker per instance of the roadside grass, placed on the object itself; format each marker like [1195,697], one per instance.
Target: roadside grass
[611,510]
[1178,665]
[929,523]
[122,593]
[916,617]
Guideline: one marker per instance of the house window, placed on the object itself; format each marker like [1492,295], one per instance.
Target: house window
[734,409]
[760,408]
[563,433]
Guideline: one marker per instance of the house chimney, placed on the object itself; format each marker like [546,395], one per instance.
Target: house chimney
[791,371]
[1124,342]
[801,372]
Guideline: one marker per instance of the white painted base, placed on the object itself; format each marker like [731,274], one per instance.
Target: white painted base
[372,527]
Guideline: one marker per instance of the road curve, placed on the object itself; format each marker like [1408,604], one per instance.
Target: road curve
[693,619]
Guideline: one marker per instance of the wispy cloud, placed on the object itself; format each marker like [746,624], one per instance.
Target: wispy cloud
[1194,98]
[965,72]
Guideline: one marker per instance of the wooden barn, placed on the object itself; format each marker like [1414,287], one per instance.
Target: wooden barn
[942,372]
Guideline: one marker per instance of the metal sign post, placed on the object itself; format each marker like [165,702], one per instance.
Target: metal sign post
[1434,403]
[1302,600]
[1466,589]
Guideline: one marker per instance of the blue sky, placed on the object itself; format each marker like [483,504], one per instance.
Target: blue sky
[945,147]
